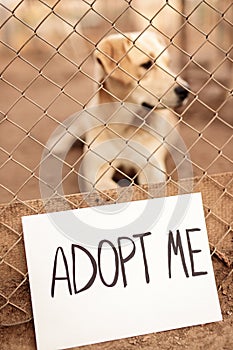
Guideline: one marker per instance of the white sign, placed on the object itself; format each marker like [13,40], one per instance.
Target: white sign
[121,270]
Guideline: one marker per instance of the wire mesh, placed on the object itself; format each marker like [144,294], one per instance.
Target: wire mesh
[47,74]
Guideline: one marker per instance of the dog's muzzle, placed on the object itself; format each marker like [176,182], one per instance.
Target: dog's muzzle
[147,105]
[182,93]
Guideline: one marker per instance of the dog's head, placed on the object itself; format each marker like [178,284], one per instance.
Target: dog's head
[135,68]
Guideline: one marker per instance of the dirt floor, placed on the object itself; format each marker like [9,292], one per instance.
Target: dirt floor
[41,88]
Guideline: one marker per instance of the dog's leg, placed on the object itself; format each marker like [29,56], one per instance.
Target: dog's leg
[61,143]
[71,130]
[153,172]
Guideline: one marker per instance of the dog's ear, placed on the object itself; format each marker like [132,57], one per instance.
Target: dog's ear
[110,54]
[104,55]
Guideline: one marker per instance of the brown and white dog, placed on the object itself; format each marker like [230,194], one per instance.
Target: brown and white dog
[135,128]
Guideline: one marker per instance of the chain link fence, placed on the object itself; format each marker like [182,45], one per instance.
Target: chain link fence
[48,73]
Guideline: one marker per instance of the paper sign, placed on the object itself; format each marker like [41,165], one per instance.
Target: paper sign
[121,270]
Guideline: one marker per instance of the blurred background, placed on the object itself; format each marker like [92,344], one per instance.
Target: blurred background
[47,74]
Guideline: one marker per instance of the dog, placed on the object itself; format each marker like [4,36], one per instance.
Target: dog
[132,129]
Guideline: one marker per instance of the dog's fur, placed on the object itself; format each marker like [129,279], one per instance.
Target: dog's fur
[134,69]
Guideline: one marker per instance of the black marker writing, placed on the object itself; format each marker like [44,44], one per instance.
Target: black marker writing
[178,248]
[54,276]
[116,263]
[93,263]
[141,236]
[120,260]
[127,258]
[191,252]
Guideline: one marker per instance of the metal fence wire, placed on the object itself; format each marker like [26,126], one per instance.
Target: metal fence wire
[48,74]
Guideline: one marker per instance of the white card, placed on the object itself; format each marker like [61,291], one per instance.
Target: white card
[121,270]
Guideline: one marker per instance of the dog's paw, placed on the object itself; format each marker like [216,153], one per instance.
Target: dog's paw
[59,145]
[56,147]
